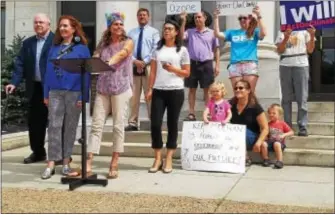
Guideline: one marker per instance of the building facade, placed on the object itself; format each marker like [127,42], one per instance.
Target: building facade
[17,18]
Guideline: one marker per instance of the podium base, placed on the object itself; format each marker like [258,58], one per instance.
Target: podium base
[78,182]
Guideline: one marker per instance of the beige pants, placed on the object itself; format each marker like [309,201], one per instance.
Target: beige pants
[140,82]
[102,107]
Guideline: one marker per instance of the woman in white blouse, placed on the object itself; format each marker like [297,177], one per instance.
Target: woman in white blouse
[170,64]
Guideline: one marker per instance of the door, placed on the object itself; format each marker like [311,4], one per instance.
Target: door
[85,12]
[323,66]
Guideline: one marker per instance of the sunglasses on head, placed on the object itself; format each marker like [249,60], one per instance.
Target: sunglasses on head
[238,88]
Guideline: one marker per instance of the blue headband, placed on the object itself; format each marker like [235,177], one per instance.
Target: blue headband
[112,17]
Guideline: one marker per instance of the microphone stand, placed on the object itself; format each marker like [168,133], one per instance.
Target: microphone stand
[75,182]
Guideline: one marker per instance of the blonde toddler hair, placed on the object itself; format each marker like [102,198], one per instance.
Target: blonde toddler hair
[278,108]
[218,85]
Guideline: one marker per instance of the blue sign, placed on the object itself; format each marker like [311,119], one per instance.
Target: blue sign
[299,15]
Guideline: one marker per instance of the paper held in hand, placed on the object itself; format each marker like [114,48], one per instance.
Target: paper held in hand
[213,147]
[235,8]
[177,7]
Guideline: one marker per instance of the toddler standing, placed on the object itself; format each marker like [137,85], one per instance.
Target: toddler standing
[279,130]
[217,107]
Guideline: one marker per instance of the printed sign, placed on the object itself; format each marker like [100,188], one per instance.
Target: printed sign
[235,7]
[299,15]
[177,7]
[213,147]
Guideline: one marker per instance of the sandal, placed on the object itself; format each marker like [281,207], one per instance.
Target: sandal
[190,117]
[113,173]
[77,173]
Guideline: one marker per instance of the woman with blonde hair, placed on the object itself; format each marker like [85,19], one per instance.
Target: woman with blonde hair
[243,58]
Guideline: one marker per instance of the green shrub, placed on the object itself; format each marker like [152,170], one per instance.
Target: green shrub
[16,112]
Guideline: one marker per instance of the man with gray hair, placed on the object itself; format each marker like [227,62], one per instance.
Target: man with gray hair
[31,64]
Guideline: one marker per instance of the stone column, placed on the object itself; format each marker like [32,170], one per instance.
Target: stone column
[268,85]
[129,8]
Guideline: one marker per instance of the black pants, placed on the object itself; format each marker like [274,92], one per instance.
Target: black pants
[172,100]
[37,121]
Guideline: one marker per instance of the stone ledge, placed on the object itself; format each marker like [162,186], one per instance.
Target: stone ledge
[14,140]
[297,157]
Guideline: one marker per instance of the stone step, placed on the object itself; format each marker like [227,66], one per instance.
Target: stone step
[299,157]
[324,129]
[312,116]
[327,107]
[311,142]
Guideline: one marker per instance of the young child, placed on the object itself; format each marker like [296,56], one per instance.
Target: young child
[279,130]
[217,107]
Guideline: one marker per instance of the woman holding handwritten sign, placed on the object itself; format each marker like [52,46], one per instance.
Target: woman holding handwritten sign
[170,64]
[243,59]
[247,111]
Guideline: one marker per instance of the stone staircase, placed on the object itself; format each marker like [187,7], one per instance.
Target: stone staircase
[315,150]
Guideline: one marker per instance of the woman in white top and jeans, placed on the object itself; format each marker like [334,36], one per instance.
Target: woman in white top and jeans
[170,64]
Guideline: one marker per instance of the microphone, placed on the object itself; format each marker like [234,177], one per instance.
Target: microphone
[67,49]
[76,40]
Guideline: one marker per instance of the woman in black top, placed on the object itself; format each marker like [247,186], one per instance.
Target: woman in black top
[247,111]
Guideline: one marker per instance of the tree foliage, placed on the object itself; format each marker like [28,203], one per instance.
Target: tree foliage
[16,111]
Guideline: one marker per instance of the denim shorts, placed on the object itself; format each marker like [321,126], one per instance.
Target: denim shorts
[251,139]
[271,142]
[242,69]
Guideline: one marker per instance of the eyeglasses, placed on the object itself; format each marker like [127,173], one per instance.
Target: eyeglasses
[168,28]
[239,88]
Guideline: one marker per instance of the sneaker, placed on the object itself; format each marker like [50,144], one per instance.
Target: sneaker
[66,169]
[266,163]
[279,165]
[48,172]
[303,133]
[131,128]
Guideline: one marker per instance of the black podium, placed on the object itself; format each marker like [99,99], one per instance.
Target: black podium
[83,65]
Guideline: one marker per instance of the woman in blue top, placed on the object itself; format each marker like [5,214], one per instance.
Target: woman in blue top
[62,94]
[243,51]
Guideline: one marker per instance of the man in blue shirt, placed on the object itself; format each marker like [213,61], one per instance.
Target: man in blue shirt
[145,40]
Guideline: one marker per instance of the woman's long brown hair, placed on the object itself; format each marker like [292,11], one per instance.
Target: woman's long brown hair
[252,100]
[76,25]
[252,26]
[106,39]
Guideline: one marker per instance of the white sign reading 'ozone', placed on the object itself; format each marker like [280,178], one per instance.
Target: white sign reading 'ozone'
[213,147]
[177,7]
[235,8]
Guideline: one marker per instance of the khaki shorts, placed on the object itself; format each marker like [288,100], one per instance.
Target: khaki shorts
[242,69]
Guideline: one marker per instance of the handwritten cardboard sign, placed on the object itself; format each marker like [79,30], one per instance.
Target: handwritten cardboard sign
[213,147]
[177,7]
[235,7]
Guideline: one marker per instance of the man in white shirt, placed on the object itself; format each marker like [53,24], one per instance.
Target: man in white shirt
[145,40]
[294,48]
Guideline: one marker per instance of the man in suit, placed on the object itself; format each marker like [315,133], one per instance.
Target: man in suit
[31,65]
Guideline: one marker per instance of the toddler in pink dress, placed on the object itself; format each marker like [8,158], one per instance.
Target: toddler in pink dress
[217,108]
